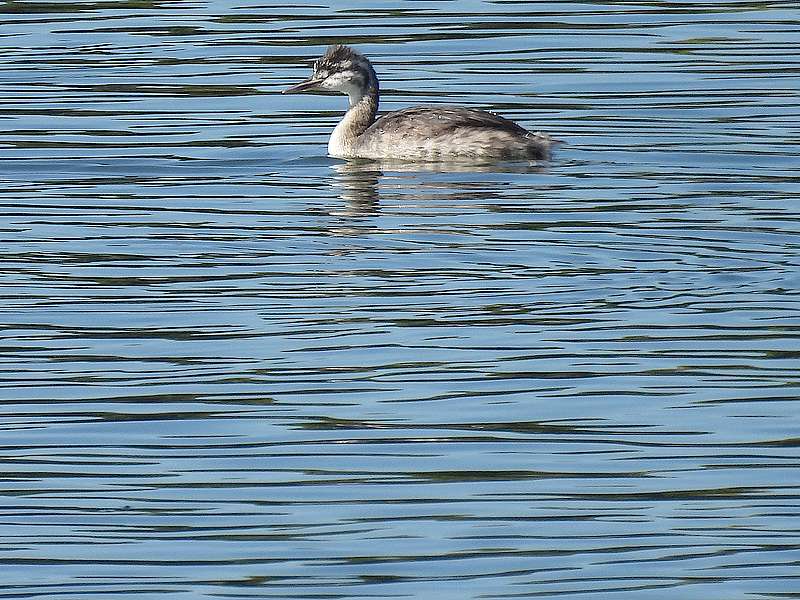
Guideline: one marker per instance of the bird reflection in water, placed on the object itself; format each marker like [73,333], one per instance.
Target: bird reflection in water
[362,182]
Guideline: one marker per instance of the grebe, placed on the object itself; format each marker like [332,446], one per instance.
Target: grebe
[422,133]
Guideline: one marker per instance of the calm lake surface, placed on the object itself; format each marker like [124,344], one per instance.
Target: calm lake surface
[233,367]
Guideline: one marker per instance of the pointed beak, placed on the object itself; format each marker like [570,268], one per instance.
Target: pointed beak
[303,86]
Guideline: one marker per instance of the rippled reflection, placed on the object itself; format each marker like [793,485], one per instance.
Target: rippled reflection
[360,182]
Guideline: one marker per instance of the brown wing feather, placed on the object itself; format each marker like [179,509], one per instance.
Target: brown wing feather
[450,132]
[440,119]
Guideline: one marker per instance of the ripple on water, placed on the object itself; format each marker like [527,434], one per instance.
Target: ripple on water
[234,367]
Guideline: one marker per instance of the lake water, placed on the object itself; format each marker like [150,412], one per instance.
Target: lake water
[233,367]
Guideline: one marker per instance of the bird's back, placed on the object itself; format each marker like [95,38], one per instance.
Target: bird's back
[450,132]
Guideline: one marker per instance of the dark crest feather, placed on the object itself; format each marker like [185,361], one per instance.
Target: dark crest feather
[340,53]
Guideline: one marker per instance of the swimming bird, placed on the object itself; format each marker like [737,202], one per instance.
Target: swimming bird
[421,133]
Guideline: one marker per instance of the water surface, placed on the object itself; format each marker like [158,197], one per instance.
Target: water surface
[236,368]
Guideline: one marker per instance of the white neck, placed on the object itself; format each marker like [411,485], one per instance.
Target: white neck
[357,119]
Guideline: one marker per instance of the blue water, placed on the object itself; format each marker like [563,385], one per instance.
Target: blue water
[233,367]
